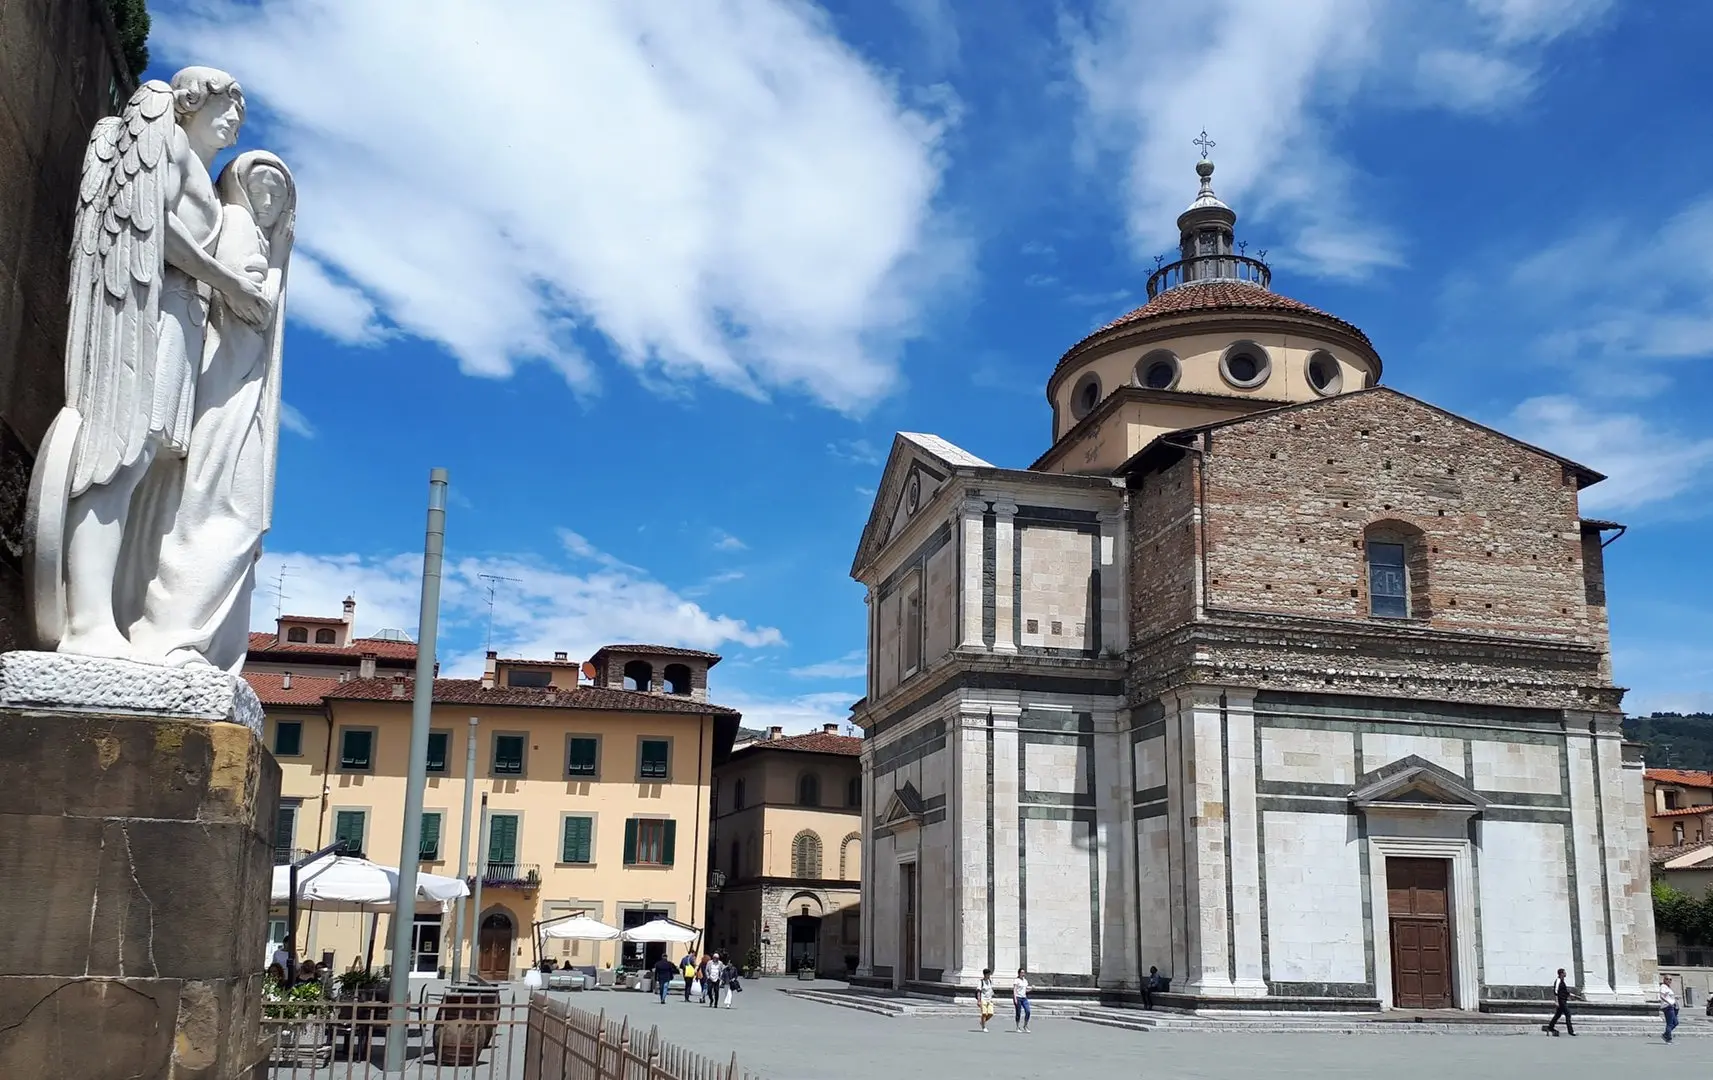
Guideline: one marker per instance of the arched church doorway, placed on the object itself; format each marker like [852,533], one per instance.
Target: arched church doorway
[803,941]
[494,945]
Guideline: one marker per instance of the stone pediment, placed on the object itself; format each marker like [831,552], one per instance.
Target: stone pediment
[904,809]
[1416,784]
[915,471]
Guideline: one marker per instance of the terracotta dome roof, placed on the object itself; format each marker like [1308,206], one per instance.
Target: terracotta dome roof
[1210,296]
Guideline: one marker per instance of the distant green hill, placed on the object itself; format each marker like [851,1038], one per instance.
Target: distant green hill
[1674,740]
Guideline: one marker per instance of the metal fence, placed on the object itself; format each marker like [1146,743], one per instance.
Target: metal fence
[475,1037]
[563,1043]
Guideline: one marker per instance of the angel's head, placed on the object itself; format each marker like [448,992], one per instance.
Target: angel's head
[209,105]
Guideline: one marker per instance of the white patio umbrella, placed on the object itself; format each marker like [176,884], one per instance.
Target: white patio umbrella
[580,928]
[347,883]
[662,930]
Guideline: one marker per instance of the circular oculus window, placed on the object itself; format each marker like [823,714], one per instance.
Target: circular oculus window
[1245,365]
[1086,395]
[1158,371]
[1324,374]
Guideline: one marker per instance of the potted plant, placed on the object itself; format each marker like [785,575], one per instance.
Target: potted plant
[805,971]
[357,991]
[303,1008]
[752,962]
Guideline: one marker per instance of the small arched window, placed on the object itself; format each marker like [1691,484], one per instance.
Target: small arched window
[853,793]
[808,790]
[806,855]
[738,794]
[678,679]
[1396,555]
[325,636]
[639,675]
[850,858]
[298,633]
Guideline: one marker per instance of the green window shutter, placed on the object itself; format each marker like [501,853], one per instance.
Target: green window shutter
[288,738]
[355,749]
[430,837]
[666,843]
[285,827]
[348,826]
[502,839]
[630,842]
[654,755]
[437,741]
[582,758]
[577,840]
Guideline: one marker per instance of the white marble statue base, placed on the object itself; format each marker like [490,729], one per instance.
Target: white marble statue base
[63,682]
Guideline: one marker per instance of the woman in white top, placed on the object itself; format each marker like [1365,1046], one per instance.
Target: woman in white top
[1020,1000]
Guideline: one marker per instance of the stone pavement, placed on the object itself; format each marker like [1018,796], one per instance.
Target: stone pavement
[782,1037]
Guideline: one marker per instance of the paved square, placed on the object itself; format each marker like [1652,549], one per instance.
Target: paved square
[785,1038]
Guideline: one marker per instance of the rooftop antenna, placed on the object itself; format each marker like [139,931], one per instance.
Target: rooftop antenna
[493,581]
[280,596]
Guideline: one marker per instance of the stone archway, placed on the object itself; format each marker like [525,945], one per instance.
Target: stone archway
[803,913]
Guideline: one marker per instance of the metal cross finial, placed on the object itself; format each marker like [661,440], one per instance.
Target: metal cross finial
[1205,143]
[1262,254]
[1158,259]
[1242,247]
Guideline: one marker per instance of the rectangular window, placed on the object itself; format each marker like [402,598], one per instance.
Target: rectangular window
[288,738]
[502,840]
[430,836]
[437,744]
[583,757]
[911,631]
[655,756]
[578,843]
[1388,582]
[1671,800]
[508,755]
[356,749]
[285,832]
[349,826]
[650,841]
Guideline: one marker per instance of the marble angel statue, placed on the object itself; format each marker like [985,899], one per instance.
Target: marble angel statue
[146,280]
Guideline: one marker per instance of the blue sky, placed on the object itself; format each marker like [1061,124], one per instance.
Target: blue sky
[658,282]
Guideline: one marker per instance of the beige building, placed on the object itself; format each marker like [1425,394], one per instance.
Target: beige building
[323,647]
[787,839]
[1680,807]
[597,796]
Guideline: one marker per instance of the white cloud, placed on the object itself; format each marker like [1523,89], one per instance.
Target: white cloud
[725,191]
[808,712]
[855,451]
[542,609]
[727,542]
[293,420]
[335,308]
[1273,83]
[1643,462]
[937,25]
[852,665]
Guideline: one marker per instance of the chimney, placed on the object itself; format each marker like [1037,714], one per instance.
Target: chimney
[490,670]
[400,689]
[285,681]
[775,732]
[366,666]
[349,619]
[830,729]
[561,655]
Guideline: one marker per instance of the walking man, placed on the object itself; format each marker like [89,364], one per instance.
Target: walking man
[1020,1001]
[1668,1006]
[711,980]
[664,969]
[984,997]
[1562,992]
[687,968]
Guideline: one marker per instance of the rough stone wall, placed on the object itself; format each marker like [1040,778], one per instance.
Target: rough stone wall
[140,861]
[60,71]
[1163,550]
[1289,496]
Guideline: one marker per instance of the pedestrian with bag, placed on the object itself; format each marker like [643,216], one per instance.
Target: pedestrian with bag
[984,997]
[729,984]
[687,968]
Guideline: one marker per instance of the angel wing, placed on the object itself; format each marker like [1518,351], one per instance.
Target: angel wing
[117,264]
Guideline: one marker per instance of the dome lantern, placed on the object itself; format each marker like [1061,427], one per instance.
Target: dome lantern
[1206,251]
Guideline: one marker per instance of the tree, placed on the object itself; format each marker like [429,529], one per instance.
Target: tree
[131,18]
[1677,912]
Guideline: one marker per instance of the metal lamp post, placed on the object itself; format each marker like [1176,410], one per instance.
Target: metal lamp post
[464,854]
[422,705]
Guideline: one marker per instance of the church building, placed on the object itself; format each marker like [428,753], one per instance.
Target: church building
[1265,675]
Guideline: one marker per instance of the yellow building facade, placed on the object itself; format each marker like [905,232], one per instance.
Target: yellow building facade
[597,797]
[787,848]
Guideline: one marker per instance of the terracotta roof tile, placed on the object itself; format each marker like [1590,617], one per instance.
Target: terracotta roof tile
[1684,811]
[383,648]
[471,692]
[1682,777]
[659,650]
[815,742]
[1210,296]
[305,689]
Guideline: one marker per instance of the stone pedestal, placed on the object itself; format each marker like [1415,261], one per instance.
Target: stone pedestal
[138,861]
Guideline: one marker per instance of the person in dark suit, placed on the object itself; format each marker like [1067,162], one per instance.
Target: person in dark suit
[1562,991]
[1150,988]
